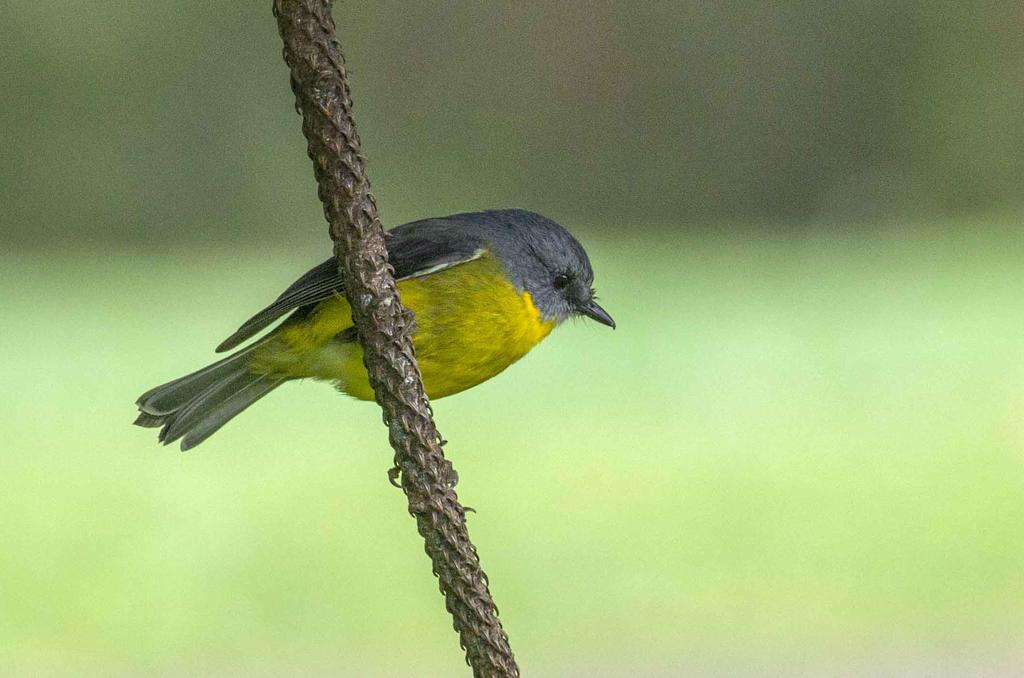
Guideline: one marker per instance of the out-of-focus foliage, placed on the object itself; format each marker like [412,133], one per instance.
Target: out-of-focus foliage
[167,120]
[796,456]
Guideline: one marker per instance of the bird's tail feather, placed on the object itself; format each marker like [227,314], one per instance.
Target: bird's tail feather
[195,406]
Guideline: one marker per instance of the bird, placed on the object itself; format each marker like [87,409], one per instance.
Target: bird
[484,288]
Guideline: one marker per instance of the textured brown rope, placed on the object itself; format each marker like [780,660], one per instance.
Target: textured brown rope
[320,83]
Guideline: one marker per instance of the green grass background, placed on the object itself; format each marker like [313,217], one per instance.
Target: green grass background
[798,455]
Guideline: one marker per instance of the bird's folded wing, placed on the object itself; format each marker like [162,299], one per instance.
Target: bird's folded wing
[414,250]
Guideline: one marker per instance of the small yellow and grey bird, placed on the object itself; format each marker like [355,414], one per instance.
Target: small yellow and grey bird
[485,288]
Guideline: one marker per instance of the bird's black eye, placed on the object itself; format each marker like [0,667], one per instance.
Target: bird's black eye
[561,281]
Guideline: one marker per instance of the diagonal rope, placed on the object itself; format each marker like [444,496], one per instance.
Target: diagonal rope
[320,83]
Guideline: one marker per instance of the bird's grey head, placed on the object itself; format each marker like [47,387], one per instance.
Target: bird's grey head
[545,260]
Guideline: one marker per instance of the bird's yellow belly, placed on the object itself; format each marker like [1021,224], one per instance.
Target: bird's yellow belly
[471,323]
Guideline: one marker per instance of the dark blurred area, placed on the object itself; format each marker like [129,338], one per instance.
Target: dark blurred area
[172,122]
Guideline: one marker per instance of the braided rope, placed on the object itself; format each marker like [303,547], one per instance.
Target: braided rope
[320,83]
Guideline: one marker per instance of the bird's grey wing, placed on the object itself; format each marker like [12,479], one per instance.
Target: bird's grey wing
[431,245]
[317,284]
[415,250]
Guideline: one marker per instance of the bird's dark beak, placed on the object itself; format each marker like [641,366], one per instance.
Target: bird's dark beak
[592,310]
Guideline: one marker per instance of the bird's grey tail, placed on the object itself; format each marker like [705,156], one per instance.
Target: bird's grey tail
[195,406]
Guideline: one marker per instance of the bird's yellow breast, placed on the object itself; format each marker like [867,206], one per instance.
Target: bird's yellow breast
[471,323]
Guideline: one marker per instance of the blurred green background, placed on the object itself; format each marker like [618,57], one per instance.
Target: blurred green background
[799,454]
